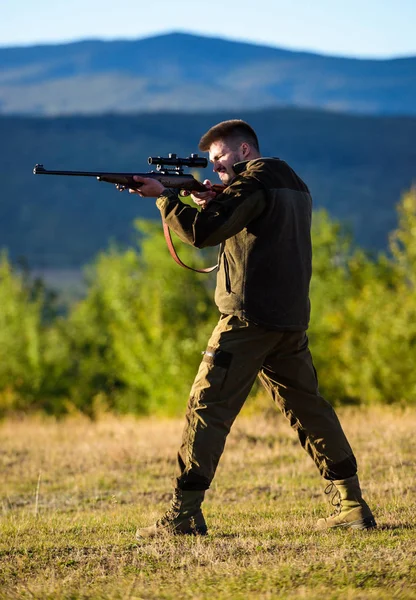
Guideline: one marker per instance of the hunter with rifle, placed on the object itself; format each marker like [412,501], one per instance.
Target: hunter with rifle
[261,217]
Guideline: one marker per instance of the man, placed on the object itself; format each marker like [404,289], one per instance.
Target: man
[262,220]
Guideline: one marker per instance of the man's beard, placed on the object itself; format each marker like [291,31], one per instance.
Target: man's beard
[230,174]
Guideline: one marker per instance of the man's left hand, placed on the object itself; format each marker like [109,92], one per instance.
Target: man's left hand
[150,188]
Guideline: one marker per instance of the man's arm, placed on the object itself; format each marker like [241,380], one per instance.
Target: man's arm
[224,216]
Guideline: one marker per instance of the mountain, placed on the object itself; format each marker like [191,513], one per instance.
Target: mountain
[180,71]
[356,167]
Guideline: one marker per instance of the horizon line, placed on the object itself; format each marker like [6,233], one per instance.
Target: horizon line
[237,40]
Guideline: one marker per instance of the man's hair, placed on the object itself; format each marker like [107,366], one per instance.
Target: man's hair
[235,131]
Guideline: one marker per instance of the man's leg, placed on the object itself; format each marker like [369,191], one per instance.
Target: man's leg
[230,364]
[290,377]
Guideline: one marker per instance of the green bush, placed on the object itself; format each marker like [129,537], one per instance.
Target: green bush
[33,356]
[139,333]
[363,330]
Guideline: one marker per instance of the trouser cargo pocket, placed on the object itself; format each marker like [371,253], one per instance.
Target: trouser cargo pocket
[214,369]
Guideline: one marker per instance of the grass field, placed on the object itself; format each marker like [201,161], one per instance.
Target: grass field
[73,493]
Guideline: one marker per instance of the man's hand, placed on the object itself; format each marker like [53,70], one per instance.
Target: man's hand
[203,198]
[151,188]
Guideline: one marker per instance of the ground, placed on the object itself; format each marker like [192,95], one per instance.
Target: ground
[73,493]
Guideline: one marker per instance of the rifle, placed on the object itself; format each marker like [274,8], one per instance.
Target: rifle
[169,177]
[169,171]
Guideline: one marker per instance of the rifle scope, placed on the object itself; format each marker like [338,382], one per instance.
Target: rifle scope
[192,161]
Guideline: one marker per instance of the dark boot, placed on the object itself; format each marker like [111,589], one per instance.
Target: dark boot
[184,517]
[351,510]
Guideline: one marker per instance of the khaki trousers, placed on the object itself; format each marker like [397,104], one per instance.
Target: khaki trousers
[237,352]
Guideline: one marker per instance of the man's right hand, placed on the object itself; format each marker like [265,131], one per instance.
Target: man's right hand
[203,198]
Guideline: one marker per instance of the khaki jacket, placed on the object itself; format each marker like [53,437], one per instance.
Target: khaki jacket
[262,221]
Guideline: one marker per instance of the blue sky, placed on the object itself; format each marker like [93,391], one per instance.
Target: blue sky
[366,28]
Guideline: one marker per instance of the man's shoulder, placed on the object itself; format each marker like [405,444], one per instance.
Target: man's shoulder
[276,173]
[256,164]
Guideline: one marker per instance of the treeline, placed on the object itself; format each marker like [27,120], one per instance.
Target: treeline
[355,166]
[134,342]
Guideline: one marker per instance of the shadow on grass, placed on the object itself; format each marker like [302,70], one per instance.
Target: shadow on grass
[396,527]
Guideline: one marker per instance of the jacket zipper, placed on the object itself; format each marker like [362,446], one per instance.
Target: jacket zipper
[221,254]
[227,275]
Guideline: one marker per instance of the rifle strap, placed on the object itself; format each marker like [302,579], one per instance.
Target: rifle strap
[175,256]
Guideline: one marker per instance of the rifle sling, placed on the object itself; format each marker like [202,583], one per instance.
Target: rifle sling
[175,256]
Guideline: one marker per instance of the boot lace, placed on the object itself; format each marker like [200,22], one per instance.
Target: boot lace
[173,511]
[335,499]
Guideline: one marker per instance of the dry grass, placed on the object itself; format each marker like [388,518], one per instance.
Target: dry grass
[74,492]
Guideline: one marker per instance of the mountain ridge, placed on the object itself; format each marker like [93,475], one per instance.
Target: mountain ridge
[181,70]
[191,35]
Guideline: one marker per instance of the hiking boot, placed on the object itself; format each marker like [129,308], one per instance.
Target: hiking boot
[184,517]
[351,510]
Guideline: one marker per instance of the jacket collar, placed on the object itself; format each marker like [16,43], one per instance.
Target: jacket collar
[239,167]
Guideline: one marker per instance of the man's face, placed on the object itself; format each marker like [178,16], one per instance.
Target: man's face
[223,158]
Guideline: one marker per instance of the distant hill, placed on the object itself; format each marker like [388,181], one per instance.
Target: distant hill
[356,166]
[180,71]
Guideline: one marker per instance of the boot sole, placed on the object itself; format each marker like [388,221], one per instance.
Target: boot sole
[197,531]
[168,532]
[361,524]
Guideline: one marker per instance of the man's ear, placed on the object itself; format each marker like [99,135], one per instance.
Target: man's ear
[245,149]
